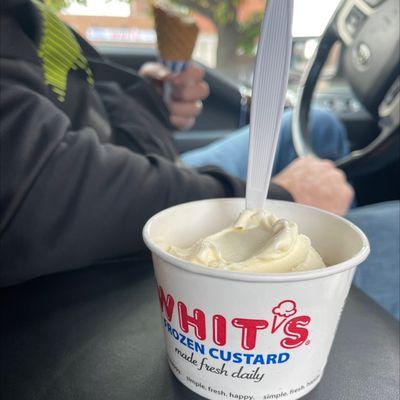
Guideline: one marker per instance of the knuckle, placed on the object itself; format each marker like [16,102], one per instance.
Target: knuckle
[201,91]
[185,94]
[196,70]
[338,175]
[189,122]
[173,107]
[173,121]
[200,72]
[176,92]
[181,123]
[341,174]
[326,165]
[350,192]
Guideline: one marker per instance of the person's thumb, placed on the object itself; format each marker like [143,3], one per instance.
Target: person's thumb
[155,71]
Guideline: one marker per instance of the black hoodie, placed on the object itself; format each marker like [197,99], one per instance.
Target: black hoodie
[83,165]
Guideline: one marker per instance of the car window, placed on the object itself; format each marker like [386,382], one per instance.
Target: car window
[228,29]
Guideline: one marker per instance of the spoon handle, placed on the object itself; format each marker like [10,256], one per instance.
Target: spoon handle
[268,98]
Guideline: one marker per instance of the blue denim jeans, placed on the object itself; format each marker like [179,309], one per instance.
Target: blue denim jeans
[379,275]
[328,138]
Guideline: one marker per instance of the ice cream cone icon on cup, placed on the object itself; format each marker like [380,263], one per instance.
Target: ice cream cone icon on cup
[284,310]
[176,38]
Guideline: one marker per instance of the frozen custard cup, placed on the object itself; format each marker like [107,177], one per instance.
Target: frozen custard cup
[232,335]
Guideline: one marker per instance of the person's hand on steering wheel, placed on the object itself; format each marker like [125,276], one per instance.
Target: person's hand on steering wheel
[317,183]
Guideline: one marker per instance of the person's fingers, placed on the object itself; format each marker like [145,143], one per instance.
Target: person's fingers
[343,204]
[188,109]
[335,175]
[193,74]
[318,183]
[341,194]
[340,174]
[327,163]
[316,162]
[156,71]
[349,192]
[181,123]
[199,91]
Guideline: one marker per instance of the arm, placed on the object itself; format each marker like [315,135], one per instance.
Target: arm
[68,200]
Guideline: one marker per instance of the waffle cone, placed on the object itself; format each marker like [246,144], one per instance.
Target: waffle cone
[176,36]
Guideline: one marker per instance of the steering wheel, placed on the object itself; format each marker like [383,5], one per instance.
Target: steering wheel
[369,33]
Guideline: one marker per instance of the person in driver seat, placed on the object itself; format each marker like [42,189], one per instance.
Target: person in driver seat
[88,154]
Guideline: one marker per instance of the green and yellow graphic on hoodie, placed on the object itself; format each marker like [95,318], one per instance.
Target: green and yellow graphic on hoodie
[60,52]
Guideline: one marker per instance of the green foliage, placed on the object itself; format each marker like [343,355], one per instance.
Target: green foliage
[249,31]
[224,13]
[221,12]
[57,5]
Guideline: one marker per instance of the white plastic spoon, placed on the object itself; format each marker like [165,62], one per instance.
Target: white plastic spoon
[268,98]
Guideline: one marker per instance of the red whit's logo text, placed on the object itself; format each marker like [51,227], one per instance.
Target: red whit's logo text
[283,319]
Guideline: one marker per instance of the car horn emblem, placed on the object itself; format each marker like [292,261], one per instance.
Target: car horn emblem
[363,55]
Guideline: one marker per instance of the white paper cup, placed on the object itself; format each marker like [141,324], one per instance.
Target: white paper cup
[251,336]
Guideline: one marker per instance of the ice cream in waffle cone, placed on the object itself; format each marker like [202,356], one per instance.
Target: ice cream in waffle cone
[176,34]
[176,38]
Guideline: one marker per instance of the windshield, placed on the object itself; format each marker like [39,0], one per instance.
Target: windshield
[228,29]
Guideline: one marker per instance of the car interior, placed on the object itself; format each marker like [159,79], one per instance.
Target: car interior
[94,333]
[350,92]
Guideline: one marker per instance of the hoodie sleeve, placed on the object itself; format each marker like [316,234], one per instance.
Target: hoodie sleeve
[68,200]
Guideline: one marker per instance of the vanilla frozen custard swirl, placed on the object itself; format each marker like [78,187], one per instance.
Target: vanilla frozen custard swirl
[257,242]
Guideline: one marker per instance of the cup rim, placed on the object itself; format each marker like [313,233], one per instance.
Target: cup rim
[188,266]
